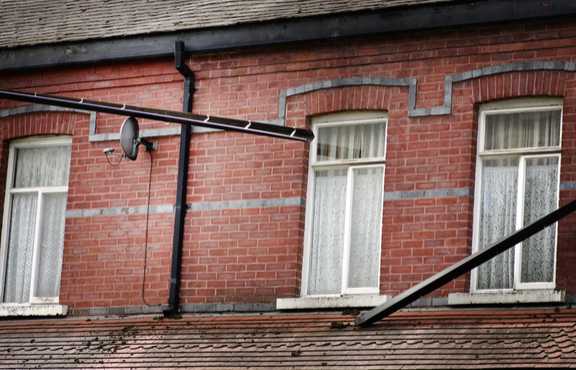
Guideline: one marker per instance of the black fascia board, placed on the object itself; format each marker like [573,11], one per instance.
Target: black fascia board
[281,32]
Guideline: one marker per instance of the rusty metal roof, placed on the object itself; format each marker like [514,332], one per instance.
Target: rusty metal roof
[462,339]
[34,22]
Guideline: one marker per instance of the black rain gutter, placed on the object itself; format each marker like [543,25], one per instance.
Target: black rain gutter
[333,26]
[182,182]
[463,266]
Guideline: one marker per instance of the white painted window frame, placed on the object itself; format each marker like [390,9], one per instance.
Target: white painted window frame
[34,142]
[340,119]
[503,107]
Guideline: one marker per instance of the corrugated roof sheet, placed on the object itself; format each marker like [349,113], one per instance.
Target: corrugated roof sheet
[410,340]
[33,22]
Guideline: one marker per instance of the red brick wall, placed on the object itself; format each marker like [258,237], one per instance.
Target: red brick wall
[104,256]
[255,254]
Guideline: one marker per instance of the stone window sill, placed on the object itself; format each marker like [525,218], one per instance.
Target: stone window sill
[345,301]
[27,309]
[515,297]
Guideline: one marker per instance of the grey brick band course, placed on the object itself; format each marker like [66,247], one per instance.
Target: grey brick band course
[278,202]
[568,186]
[194,207]
[411,83]
[423,194]
[117,211]
[246,203]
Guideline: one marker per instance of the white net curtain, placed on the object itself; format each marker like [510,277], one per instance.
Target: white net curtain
[346,147]
[348,142]
[541,198]
[39,175]
[509,178]
[498,219]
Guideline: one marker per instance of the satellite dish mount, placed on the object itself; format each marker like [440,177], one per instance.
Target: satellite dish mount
[130,139]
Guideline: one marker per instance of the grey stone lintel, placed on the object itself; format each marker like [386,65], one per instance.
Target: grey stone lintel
[276,202]
[341,82]
[425,194]
[568,186]
[246,203]
[412,83]
[118,211]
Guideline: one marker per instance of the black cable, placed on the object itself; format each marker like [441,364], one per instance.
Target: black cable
[142,295]
[113,164]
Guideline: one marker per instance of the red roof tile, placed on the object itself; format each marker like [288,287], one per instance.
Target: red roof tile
[470,339]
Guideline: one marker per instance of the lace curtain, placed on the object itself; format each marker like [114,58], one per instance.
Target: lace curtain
[540,199]
[325,273]
[499,194]
[522,130]
[20,248]
[349,142]
[365,227]
[36,167]
[46,166]
[50,245]
[497,220]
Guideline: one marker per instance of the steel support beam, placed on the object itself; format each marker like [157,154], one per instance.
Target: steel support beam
[229,124]
[465,265]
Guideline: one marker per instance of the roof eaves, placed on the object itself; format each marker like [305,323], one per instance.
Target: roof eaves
[281,32]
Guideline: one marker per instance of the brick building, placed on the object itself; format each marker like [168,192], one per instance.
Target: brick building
[440,127]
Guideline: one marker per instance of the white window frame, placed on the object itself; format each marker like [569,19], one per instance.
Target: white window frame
[331,120]
[503,107]
[35,142]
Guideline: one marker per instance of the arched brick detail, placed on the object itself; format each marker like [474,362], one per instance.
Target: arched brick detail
[340,99]
[347,99]
[42,123]
[451,83]
[520,84]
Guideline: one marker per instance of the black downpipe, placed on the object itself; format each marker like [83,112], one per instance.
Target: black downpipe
[180,207]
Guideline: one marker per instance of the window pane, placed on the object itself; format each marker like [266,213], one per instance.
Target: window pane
[347,142]
[522,130]
[325,270]
[51,243]
[44,166]
[20,248]
[497,220]
[541,198]
[366,225]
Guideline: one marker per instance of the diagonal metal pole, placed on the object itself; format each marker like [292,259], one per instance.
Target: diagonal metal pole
[230,124]
[462,267]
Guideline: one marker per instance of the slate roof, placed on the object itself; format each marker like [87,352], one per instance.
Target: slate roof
[462,339]
[33,22]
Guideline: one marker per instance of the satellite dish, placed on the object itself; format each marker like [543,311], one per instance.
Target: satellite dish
[130,140]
